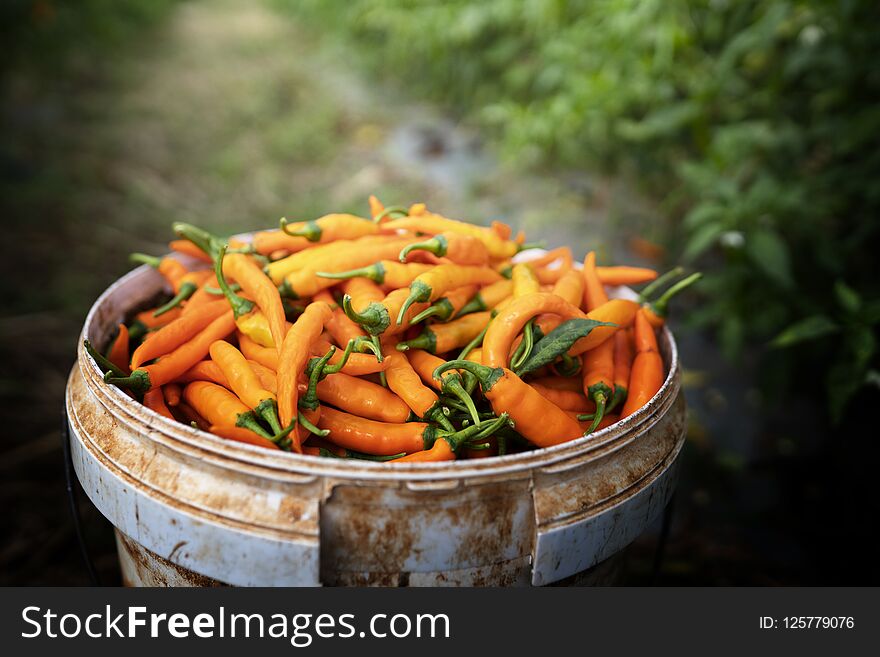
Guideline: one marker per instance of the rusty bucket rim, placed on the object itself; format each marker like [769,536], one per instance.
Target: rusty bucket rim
[290,462]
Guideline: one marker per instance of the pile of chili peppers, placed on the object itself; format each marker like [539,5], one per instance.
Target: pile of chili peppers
[408,336]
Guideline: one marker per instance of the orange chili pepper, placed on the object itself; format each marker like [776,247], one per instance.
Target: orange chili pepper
[372,437]
[254,283]
[312,257]
[489,297]
[362,398]
[293,358]
[646,376]
[447,307]
[240,435]
[203,295]
[330,228]
[376,207]
[656,311]
[170,268]
[623,357]
[149,321]
[172,392]
[510,321]
[524,280]
[570,287]
[204,370]
[172,365]
[267,377]
[598,363]
[118,354]
[299,236]
[305,282]
[190,249]
[536,418]
[155,401]
[434,224]
[184,288]
[357,365]
[432,285]
[457,247]
[446,445]
[265,356]
[570,383]
[406,384]
[562,253]
[362,291]
[176,333]
[245,383]
[191,417]
[567,400]
[613,276]
[385,272]
[424,365]
[440,338]
[339,326]
[220,407]
[378,317]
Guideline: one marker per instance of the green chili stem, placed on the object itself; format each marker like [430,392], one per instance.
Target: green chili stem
[304,422]
[524,348]
[268,411]
[436,245]
[475,305]
[418,292]
[436,414]
[311,230]
[485,375]
[103,363]
[144,259]
[453,385]
[216,291]
[137,330]
[600,400]
[309,400]
[397,209]
[425,340]
[138,381]
[249,421]
[281,438]
[660,306]
[569,365]
[185,292]
[373,319]
[374,272]
[201,238]
[240,306]
[659,282]
[617,399]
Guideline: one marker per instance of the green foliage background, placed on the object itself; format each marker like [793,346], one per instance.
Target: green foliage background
[756,124]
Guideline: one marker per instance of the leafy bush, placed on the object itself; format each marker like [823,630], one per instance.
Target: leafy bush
[756,123]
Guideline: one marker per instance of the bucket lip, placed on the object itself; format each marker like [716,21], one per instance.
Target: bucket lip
[300,464]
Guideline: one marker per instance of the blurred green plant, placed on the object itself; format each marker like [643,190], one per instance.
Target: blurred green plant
[756,123]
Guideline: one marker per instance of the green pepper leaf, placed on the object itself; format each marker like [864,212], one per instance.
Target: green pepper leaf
[847,297]
[558,342]
[809,328]
[770,253]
